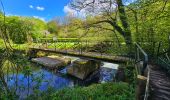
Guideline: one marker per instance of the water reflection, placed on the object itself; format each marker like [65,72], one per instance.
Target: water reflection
[27,78]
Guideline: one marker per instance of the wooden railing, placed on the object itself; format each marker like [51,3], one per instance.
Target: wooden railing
[141,56]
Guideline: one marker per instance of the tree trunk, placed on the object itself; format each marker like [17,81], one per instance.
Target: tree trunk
[124,21]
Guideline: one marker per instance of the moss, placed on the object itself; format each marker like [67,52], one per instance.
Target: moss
[41,54]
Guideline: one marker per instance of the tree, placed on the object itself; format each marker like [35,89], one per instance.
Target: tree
[38,27]
[53,27]
[110,11]
[24,29]
[18,29]
[149,20]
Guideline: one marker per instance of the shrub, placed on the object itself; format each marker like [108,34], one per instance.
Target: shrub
[106,91]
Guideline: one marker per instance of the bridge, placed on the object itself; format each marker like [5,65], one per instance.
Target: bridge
[87,55]
[152,73]
[83,49]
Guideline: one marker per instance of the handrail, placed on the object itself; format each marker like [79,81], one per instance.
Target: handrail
[147,86]
[145,60]
[145,63]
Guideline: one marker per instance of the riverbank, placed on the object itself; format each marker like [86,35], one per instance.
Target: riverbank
[106,91]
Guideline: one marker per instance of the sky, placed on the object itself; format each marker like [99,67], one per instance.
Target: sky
[43,9]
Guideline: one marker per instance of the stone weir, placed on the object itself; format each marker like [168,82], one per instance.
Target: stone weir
[82,68]
[52,62]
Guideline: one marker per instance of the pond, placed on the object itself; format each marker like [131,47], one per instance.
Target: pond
[38,78]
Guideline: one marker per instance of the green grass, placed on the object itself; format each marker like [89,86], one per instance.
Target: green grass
[21,46]
[106,91]
[61,45]
[59,39]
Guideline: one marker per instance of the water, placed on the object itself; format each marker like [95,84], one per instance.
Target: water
[41,79]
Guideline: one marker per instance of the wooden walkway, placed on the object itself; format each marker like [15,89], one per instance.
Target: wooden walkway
[88,55]
[159,84]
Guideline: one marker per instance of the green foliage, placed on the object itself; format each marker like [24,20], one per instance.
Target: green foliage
[59,39]
[130,73]
[53,27]
[73,29]
[25,46]
[2,44]
[149,22]
[18,29]
[106,91]
[23,29]
[10,96]
[38,28]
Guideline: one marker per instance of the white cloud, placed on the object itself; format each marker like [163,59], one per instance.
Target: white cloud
[41,18]
[40,8]
[31,6]
[73,12]
[9,14]
[67,10]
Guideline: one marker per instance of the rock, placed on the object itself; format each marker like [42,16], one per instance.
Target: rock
[52,62]
[82,68]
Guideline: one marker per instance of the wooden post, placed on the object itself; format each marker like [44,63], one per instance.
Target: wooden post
[140,89]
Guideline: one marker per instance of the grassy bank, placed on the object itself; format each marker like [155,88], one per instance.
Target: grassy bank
[106,91]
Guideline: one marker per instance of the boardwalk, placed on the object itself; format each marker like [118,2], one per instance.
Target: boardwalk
[89,55]
[159,84]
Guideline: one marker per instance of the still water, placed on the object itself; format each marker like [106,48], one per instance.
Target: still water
[39,78]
